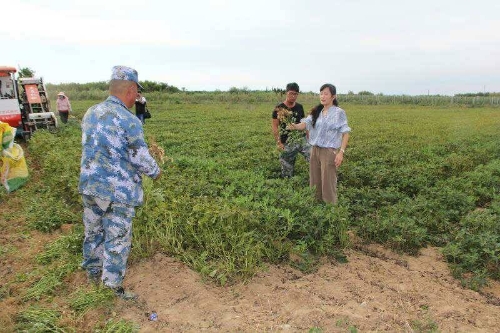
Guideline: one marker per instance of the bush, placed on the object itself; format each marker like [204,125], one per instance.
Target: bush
[476,248]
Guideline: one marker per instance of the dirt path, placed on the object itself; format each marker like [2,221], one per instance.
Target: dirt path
[376,290]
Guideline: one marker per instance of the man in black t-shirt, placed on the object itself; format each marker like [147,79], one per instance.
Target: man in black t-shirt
[289,150]
[140,107]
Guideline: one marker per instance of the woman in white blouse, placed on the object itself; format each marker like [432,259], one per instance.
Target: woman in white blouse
[328,136]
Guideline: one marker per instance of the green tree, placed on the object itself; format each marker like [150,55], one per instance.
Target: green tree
[234,90]
[150,86]
[26,72]
[364,92]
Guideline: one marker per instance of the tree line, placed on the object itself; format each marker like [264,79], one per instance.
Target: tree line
[148,86]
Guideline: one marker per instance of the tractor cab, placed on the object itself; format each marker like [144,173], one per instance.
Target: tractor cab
[10,111]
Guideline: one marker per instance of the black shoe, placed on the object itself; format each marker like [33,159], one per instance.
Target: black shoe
[94,277]
[125,295]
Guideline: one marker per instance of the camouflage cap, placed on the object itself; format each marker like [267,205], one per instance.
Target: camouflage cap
[125,73]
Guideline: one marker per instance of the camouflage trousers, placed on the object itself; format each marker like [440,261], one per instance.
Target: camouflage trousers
[289,155]
[108,238]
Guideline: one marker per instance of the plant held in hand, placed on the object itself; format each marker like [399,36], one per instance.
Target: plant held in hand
[287,118]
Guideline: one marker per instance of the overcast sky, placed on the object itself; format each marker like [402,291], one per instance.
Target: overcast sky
[386,46]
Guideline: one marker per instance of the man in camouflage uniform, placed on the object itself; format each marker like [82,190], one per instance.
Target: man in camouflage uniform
[114,157]
[289,151]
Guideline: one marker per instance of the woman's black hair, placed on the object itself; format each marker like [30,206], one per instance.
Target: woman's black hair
[315,111]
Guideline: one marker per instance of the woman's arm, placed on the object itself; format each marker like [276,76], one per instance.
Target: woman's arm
[339,157]
[298,127]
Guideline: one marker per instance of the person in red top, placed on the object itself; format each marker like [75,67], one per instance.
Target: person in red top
[63,106]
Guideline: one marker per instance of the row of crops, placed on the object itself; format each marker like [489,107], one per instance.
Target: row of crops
[88,92]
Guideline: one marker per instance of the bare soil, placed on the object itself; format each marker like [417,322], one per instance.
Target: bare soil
[377,290]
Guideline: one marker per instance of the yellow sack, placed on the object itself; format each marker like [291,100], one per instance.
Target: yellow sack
[13,168]
[6,135]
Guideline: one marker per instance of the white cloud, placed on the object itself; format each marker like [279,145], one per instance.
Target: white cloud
[388,46]
[74,26]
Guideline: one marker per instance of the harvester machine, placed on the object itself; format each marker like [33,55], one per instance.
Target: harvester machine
[36,106]
[26,109]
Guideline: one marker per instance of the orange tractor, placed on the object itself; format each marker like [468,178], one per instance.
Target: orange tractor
[27,109]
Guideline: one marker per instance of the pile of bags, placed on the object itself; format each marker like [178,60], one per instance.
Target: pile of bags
[13,168]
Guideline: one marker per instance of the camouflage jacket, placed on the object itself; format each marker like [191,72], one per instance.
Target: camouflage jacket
[114,154]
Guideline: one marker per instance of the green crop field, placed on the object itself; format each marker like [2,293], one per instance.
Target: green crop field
[412,176]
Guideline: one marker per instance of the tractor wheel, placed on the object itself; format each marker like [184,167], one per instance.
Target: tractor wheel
[52,128]
[26,136]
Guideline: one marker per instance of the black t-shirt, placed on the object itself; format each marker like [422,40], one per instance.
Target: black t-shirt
[298,114]
[140,108]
